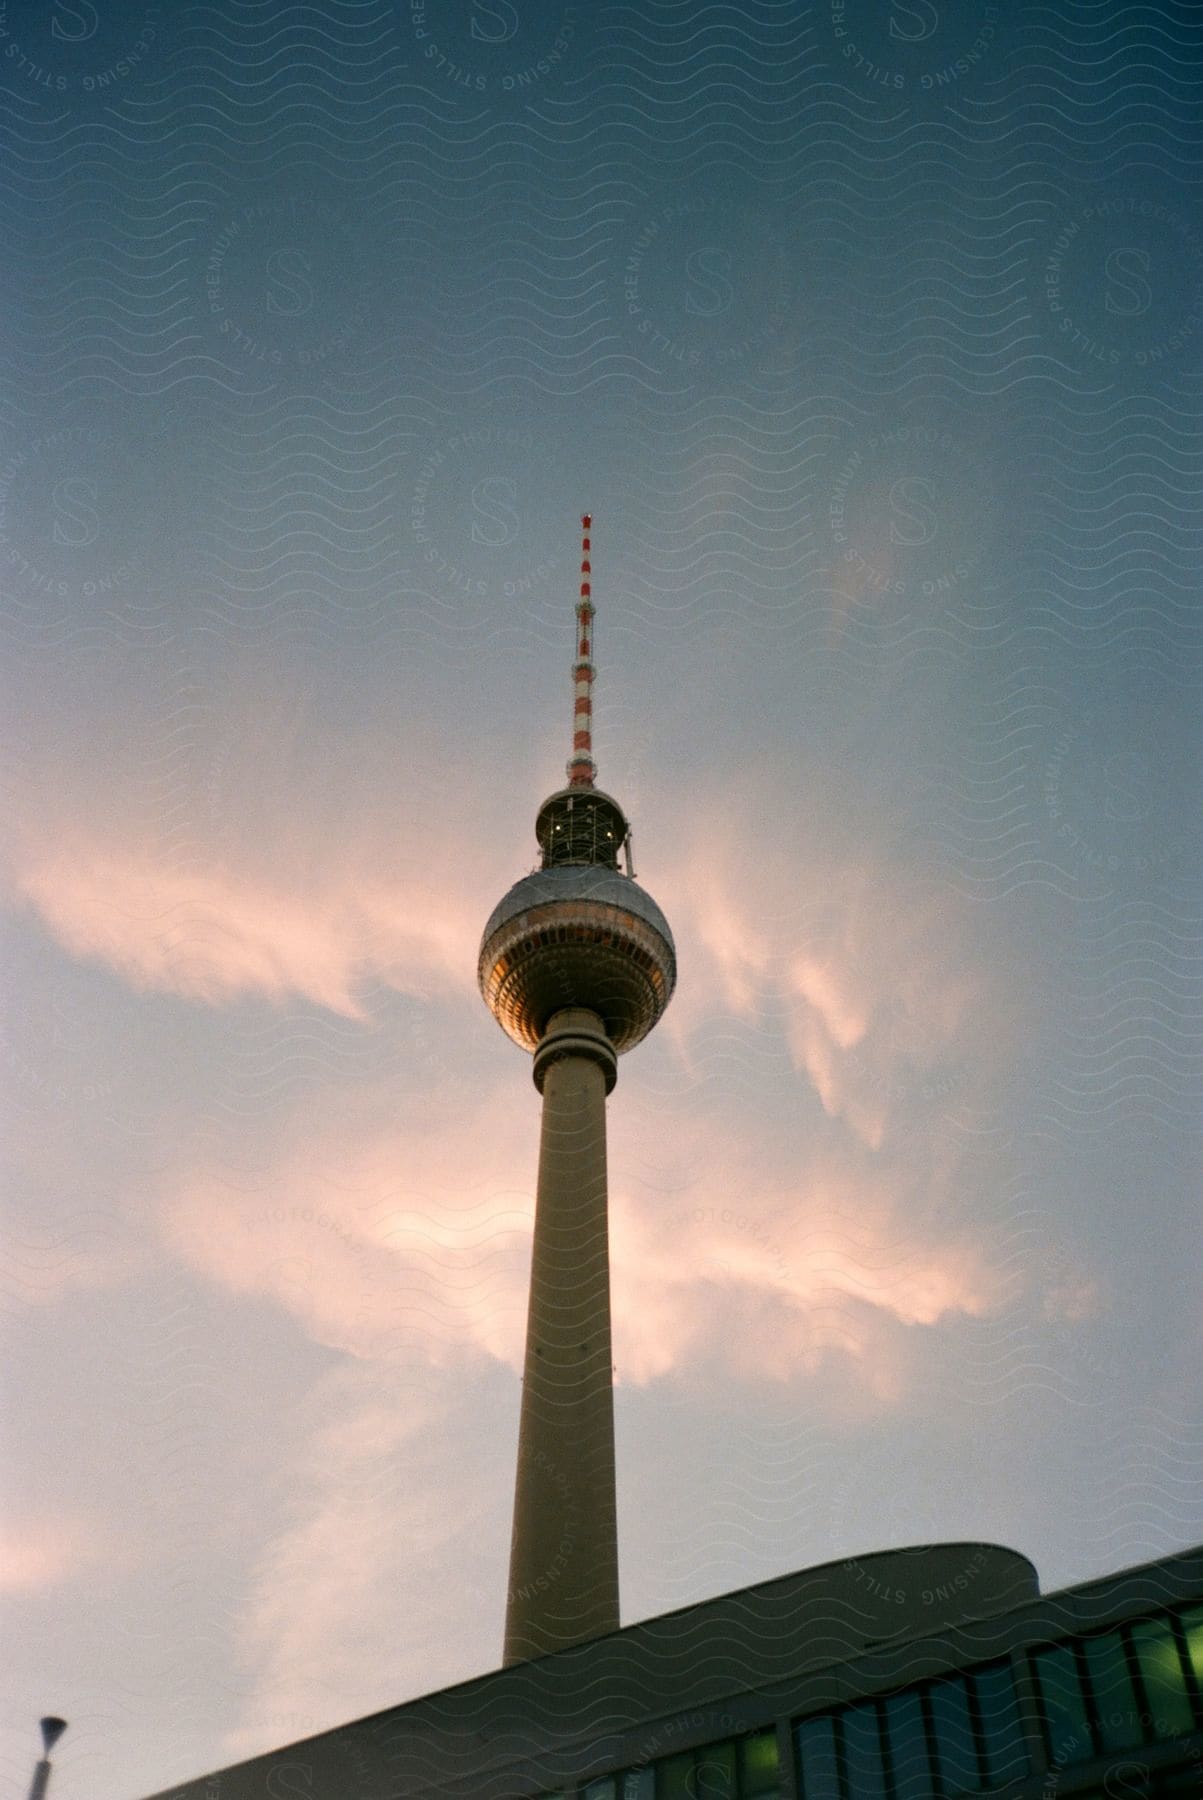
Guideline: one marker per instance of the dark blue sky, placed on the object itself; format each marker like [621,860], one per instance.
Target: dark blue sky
[870,333]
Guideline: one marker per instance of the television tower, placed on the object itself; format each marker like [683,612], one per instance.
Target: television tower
[576,964]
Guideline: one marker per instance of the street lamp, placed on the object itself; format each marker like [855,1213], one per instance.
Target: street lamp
[52,1731]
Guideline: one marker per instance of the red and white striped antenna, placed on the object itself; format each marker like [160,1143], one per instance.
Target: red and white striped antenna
[581,766]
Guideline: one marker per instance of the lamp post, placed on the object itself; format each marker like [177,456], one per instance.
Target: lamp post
[52,1731]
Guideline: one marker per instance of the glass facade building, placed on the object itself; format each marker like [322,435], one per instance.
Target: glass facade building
[1134,1687]
[911,1675]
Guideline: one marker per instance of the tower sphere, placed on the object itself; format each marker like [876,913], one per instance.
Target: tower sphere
[577,935]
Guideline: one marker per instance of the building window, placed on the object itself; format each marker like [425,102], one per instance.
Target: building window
[1001,1725]
[1163,1676]
[929,1742]
[714,1773]
[906,1735]
[817,1758]
[759,1768]
[673,1777]
[734,1769]
[1063,1706]
[1110,1680]
[956,1752]
[1117,1689]
[1192,1626]
[862,1753]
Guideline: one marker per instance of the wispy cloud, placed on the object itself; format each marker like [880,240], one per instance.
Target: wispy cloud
[375,1587]
[378,1244]
[261,863]
[886,988]
[766,1267]
[360,1225]
[213,935]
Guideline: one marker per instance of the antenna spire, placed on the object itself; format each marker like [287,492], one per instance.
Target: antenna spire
[581,767]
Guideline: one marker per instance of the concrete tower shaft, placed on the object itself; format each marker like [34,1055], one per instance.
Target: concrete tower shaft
[563,1582]
[577,964]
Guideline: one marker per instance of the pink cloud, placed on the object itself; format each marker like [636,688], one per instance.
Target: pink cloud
[212,935]
[290,877]
[883,985]
[379,1244]
[42,1553]
[365,1230]
[270,862]
[765,1272]
[367,1233]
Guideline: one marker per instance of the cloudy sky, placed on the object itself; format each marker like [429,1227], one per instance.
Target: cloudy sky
[871,335]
